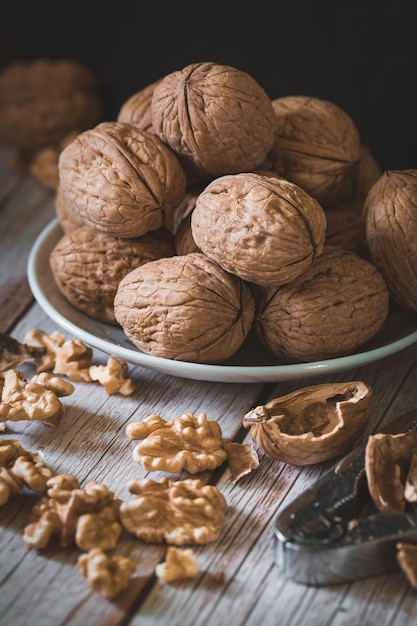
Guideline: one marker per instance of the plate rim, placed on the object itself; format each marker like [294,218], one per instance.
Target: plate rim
[199,371]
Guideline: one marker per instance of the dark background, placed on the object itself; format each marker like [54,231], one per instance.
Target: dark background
[360,55]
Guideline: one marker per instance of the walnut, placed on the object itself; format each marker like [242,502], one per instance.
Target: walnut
[175,512]
[73,359]
[44,164]
[88,265]
[43,100]
[217,118]
[137,110]
[19,467]
[242,459]
[390,464]
[34,400]
[368,173]
[68,219]
[105,574]
[266,230]
[390,212]
[184,208]
[407,560]
[178,565]
[88,518]
[184,241]
[346,226]
[113,377]
[312,424]
[51,343]
[185,308]
[121,180]
[317,146]
[191,443]
[331,310]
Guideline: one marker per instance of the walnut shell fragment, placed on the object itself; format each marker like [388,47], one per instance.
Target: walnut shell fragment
[264,229]
[120,179]
[88,265]
[331,310]
[185,308]
[242,459]
[313,424]
[174,512]
[217,118]
[390,214]
[317,146]
[390,466]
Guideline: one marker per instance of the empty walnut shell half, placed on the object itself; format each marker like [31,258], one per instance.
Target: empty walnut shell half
[264,229]
[390,214]
[331,310]
[185,308]
[88,265]
[313,424]
[317,146]
[121,180]
[390,462]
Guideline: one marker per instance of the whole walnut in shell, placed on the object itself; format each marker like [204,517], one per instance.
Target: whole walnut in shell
[120,179]
[264,229]
[317,146]
[313,424]
[390,214]
[88,265]
[42,101]
[185,308]
[217,118]
[331,310]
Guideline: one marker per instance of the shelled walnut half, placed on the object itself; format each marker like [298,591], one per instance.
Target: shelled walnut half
[313,424]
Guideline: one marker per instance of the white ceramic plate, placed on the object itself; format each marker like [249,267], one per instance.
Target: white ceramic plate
[251,364]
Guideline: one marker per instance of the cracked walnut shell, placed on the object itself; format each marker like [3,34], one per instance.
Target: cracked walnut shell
[185,308]
[266,230]
[217,118]
[120,179]
[390,214]
[331,310]
[313,424]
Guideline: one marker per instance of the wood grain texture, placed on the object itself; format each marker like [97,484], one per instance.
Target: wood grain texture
[46,587]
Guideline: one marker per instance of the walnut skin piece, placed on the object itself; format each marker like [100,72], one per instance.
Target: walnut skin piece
[266,230]
[19,467]
[185,308]
[34,400]
[105,574]
[178,565]
[43,100]
[113,377]
[313,424]
[331,310]
[88,518]
[190,443]
[242,459]
[51,343]
[407,560]
[317,146]
[390,214]
[121,180]
[217,118]
[137,109]
[88,265]
[388,460]
[174,512]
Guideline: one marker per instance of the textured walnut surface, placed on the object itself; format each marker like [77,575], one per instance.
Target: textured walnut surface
[120,179]
[185,308]
[391,232]
[264,229]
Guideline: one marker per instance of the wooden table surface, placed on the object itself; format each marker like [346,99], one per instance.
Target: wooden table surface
[46,588]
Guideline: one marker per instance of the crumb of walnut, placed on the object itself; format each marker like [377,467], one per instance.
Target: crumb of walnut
[105,574]
[188,511]
[113,377]
[242,459]
[192,443]
[178,565]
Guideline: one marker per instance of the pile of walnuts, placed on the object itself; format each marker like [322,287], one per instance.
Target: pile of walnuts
[207,211]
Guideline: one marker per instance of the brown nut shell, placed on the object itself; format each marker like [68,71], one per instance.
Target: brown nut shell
[317,146]
[331,310]
[216,117]
[264,229]
[185,308]
[313,424]
[88,265]
[121,180]
[390,214]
